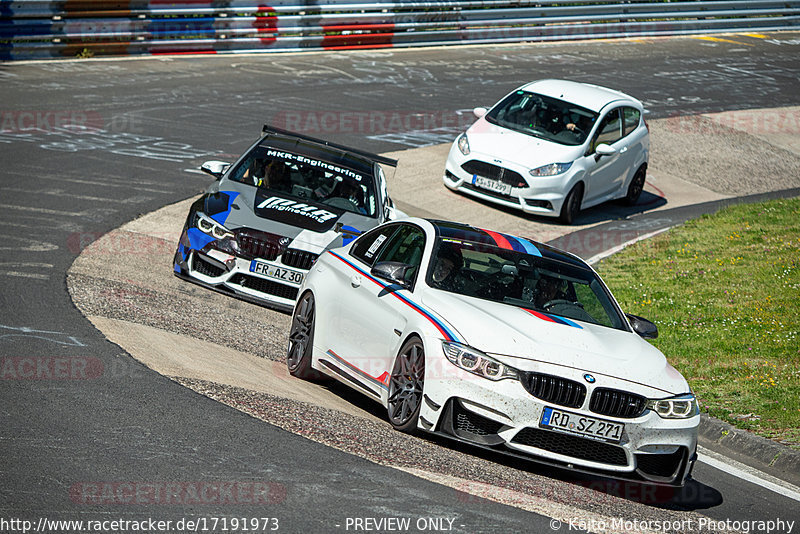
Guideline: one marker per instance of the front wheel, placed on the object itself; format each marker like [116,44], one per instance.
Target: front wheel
[406,386]
[635,188]
[301,339]
[572,204]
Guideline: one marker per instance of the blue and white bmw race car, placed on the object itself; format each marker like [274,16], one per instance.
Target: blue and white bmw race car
[497,341]
[260,226]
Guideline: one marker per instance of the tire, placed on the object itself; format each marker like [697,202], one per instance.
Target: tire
[301,339]
[636,187]
[572,204]
[406,386]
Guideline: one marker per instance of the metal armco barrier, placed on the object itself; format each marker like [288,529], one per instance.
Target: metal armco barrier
[31,29]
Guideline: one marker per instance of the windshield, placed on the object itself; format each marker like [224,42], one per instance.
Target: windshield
[491,273]
[308,179]
[544,117]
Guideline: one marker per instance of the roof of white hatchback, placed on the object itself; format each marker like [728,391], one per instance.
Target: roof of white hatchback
[590,96]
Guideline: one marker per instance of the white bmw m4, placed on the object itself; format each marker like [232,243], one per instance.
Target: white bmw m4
[497,341]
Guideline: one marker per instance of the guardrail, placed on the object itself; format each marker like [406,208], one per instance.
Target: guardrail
[31,29]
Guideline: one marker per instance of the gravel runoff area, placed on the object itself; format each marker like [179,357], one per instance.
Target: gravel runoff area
[126,275]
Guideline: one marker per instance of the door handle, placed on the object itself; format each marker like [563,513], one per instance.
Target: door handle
[355,280]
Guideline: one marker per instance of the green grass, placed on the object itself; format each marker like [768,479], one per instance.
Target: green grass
[724,291]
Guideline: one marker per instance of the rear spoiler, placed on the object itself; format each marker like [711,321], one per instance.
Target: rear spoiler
[267,129]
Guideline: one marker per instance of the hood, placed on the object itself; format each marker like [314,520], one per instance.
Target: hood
[315,226]
[546,338]
[490,143]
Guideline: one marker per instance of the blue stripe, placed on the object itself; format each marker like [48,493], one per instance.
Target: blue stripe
[564,320]
[530,248]
[515,244]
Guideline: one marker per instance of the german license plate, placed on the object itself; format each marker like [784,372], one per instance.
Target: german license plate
[491,185]
[279,273]
[573,423]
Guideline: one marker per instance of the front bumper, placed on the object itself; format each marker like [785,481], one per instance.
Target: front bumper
[505,417]
[236,276]
[545,199]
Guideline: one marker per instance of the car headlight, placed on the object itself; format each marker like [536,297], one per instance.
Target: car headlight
[476,362]
[209,226]
[463,144]
[551,170]
[680,407]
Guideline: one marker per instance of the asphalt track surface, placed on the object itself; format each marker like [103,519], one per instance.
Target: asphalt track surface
[154,118]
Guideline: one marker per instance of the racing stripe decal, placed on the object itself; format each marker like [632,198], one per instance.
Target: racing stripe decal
[553,318]
[499,239]
[510,242]
[448,334]
[222,216]
[382,381]
[529,247]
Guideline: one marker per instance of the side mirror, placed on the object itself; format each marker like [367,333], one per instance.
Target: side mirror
[642,326]
[392,271]
[604,149]
[215,168]
[479,112]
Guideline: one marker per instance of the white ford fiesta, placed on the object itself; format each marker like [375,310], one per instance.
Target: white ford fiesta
[553,147]
[498,341]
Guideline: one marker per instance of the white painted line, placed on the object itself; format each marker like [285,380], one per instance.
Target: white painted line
[750,474]
[194,171]
[613,250]
[44,210]
[26,275]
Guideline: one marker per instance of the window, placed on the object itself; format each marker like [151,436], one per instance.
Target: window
[306,179]
[367,247]
[405,246]
[543,116]
[530,282]
[610,130]
[631,116]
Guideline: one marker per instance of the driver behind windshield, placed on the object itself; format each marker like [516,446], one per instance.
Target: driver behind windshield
[448,262]
[547,289]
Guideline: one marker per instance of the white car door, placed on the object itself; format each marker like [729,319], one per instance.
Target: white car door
[605,173]
[372,313]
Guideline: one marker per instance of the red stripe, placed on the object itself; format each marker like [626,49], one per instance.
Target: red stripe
[540,315]
[500,239]
[383,378]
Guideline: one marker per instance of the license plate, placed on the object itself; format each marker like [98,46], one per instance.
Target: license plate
[573,423]
[492,185]
[279,273]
